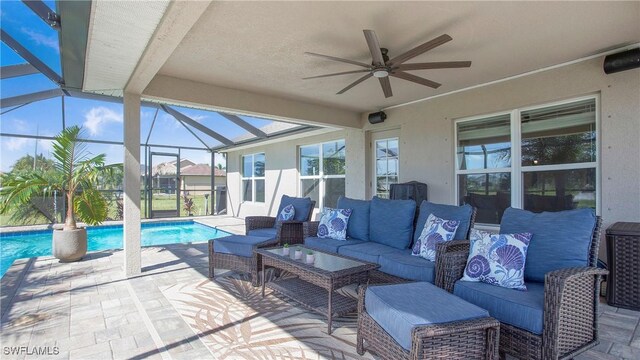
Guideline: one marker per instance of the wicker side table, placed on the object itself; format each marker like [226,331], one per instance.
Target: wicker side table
[623,260]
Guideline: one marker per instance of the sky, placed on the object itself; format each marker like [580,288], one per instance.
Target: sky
[100,120]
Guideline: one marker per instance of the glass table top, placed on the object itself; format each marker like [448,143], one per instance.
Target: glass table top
[323,261]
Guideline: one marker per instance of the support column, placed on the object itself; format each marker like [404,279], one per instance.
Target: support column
[132,264]
[356,160]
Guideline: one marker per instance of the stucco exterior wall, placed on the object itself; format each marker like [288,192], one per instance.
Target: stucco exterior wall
[281,173]
[427,131]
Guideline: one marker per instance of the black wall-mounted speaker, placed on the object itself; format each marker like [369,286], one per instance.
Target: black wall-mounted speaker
[622,61]
[377,117]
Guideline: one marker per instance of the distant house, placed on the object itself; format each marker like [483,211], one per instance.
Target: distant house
[194,178]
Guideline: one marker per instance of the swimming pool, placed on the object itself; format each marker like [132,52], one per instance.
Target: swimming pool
[25,244]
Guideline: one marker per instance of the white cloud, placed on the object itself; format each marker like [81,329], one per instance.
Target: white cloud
[45,146]
[42,39]
[99,116]
[16,144]
[198,117]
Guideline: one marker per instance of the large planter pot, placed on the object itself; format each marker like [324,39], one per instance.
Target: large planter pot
[69,245]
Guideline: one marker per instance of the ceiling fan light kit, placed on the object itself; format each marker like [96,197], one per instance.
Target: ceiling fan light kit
[382,67]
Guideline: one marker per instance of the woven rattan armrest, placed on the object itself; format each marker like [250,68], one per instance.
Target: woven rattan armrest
[310,228]
[451,246]
[259,222]
[570,293]
[289,232]
[448,269]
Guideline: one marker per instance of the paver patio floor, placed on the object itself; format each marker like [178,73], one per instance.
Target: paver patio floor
[90,310]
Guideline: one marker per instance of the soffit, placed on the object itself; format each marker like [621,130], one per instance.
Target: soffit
[118,35]
[259,46]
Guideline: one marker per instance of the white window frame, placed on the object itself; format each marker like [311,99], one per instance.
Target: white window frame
[252,178]
[516,169]
[375,163]
[321,176]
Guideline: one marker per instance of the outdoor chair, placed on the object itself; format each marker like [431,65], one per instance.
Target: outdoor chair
[237,252]
[556,317]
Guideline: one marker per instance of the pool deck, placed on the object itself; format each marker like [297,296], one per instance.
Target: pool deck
[89,310]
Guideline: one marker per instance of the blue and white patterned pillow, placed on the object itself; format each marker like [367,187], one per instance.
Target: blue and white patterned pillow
[435,230]
[497,259]
[333,223]
[287,213]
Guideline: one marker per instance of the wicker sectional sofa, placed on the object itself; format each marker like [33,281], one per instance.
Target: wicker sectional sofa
[382,231]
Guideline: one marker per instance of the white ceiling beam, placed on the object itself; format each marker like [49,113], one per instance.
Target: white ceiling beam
[172,90]
[178,19]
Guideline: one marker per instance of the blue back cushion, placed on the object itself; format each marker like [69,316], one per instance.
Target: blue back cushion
[302,206]
[447,212]
[391,222]
[358,225]
[560,239]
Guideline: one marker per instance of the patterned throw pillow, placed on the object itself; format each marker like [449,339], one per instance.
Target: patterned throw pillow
[497,259]
[333,224]
[287,213]
[436,230]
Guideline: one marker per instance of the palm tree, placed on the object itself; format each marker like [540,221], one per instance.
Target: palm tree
[75,175]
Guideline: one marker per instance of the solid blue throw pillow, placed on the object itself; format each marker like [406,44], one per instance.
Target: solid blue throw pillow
[391,222]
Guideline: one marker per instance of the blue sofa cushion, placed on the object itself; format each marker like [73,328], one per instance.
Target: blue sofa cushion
[560,239]
[402,264]
[240,245]
[398,309]
[264,232]
[329,245]
[391,222]
[302,206]
[358,226]
[367,251]
[448,212]
[522,309]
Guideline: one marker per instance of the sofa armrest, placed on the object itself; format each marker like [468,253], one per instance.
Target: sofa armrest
[451,258]
[450,268]
[258,222]
[571,300]
[452,246]
[310,228]
[289,232]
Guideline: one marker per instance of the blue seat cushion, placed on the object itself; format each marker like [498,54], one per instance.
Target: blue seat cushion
[241,245]
[391,222]
[522,309]
[328,245]
[403,264]
[447,212]
[358,225]
[367,251]
[264,232]
[560,239]
[398,309]
[302,206]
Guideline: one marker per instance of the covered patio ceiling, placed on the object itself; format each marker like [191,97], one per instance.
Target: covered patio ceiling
[256,50]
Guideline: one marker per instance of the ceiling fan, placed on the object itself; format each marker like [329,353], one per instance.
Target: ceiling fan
[382,67]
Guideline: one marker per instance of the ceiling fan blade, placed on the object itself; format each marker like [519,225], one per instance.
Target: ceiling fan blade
[435,65]
[336,74]
[386,87]
[354,84]
[339,59]
[420,49]
[416,79]
[374,47]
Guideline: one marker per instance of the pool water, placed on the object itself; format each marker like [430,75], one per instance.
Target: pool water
[28,244]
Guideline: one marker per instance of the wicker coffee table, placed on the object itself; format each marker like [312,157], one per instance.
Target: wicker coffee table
[315,284]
